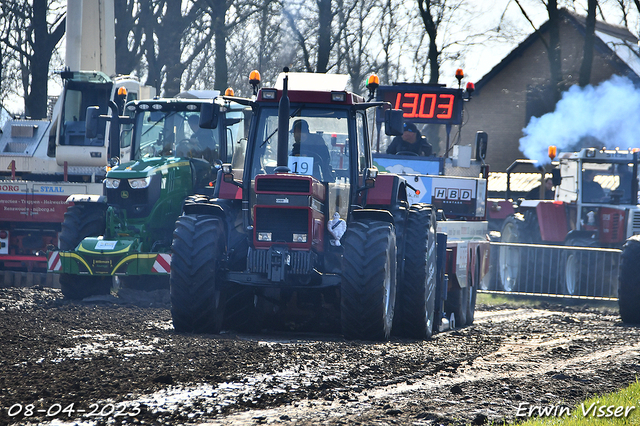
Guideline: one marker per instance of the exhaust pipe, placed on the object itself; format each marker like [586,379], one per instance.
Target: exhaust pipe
[284,109]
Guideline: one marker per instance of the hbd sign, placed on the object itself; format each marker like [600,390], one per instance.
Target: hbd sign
[452,194]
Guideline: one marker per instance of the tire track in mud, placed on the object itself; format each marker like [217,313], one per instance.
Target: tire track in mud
[527,361]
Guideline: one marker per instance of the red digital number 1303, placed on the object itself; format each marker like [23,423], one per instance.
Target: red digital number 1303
[425,106]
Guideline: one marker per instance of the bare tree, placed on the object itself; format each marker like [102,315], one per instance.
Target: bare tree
[34,29]
[553,49]
[432,14]
[391,33]
[225,15]
[129,35]
[8,63]
[448,35]
[311,24]
[174,36]
[589,40]
[270,53]
[258,44]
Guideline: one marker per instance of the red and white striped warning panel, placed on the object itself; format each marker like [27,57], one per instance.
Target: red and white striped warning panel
[53,262]
[162,265]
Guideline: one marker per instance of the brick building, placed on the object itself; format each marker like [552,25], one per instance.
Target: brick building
[517,88]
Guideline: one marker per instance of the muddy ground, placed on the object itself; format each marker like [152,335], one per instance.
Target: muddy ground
[117,360]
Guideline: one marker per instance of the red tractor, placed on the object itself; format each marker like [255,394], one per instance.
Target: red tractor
[301,221]
[595,206]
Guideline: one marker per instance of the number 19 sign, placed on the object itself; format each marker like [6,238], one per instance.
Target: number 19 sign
[423,103]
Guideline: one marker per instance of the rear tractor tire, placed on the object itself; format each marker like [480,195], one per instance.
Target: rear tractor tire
[197,303]
[589,272]
[524,268]
[509,258]
[576,266]
[415,300]
[368,288]
[629,281]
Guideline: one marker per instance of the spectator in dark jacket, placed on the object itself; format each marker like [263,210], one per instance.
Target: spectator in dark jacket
[549,193]
[411,141]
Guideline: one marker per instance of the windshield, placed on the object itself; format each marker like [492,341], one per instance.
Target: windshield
[606,182]
[77,98]
[317,143]
[174,133]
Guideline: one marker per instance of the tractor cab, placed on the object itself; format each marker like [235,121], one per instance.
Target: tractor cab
[599,189]
[172,156]
[172,128]
[594,177]
[313,150]
[305,164]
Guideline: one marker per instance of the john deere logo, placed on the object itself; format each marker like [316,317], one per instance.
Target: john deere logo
[124,194]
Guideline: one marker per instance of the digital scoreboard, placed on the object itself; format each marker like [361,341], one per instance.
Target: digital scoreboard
[424,103]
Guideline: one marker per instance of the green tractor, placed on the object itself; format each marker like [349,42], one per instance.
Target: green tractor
[127,231]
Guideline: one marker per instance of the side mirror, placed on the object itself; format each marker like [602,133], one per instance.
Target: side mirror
[227,174]
[91,123]
[556,179]
[393,122]
[482,139]
[209,115]
[370,175]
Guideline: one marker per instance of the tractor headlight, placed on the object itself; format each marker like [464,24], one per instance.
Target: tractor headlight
[264,236]
[112,183]
[139,183]
[299,238]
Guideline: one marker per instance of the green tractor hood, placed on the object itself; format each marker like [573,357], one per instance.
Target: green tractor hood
[146,167]
[144,199]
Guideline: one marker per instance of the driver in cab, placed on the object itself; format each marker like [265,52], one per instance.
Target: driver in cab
[410,143]
[201,143]
[310,145]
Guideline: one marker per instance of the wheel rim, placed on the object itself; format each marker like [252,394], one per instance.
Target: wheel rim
[509,260]
[572,270]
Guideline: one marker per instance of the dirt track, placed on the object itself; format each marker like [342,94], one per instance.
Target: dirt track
[120,361]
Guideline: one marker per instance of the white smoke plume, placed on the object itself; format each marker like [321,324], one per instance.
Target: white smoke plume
[606,115]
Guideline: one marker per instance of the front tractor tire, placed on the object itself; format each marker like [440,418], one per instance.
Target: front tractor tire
[629,281]
[368,288]
[415,301]
[197,305]
[80,221]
